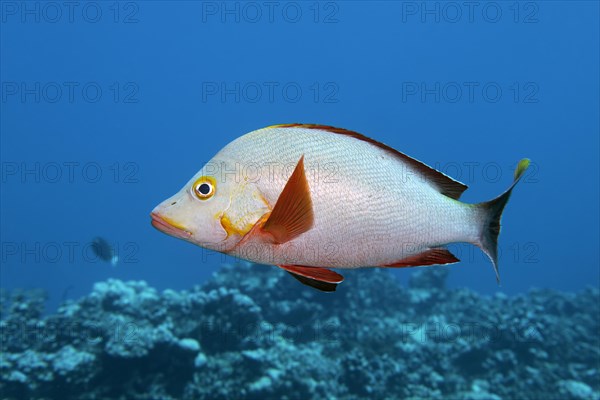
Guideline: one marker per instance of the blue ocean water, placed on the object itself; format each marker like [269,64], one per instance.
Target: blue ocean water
[108,108]
[103,120]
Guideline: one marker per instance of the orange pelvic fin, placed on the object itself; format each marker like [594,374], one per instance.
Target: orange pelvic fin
[437,255]
[293,212]
[319,278]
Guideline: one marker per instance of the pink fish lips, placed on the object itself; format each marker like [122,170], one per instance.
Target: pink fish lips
[166,226]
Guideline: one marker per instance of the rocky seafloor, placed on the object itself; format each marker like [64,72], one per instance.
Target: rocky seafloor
[254,332]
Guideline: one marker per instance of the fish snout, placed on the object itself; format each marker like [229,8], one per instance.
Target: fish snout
[168,226]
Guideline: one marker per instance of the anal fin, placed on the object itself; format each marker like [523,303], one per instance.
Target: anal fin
[434,256]
[319,278]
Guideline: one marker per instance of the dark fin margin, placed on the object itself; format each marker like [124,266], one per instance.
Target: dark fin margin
[446,185]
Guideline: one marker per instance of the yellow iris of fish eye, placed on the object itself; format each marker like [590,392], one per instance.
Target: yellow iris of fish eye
[204,188]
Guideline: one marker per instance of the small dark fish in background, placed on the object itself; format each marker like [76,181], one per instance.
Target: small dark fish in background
[105,251]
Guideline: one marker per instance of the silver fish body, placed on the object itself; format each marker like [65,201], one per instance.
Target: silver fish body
[369,204]
[371,209]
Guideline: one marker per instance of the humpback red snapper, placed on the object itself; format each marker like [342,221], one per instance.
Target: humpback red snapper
[308,198]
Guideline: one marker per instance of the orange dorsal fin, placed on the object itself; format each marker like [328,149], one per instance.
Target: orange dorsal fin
[293,212]
[319,278]
[444,184]
[438,255]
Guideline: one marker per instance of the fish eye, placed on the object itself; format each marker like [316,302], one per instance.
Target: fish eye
[204,187]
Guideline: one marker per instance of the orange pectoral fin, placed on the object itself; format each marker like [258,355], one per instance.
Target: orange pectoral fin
[319,278]
[438,255]
[293,212]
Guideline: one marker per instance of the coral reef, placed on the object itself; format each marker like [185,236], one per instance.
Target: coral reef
[253,332]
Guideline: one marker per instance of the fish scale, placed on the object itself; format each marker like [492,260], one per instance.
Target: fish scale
[379,211]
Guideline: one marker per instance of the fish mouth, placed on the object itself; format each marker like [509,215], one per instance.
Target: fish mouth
[169,227]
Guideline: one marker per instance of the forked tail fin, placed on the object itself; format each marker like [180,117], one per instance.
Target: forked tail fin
[492,212]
